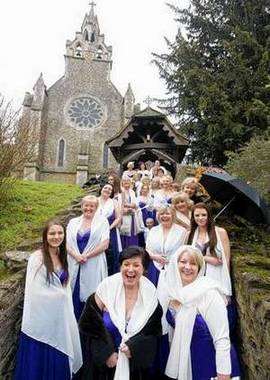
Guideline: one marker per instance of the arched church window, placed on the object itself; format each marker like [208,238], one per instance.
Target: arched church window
[105,156]
[78,52]
[61,153]
[86,36]
[99,52]
[93,37]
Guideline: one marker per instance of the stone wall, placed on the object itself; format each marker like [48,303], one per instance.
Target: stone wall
[251,278]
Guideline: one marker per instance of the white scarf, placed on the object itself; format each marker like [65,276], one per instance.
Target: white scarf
[95,269]
[48,314]
[112,293]
[170,287]
[158,245]
[106,209]
[125,228]
[182,219]
[219,273]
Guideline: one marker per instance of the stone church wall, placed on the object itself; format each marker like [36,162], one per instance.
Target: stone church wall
[82,79]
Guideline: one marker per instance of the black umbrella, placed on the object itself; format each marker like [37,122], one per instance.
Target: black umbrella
[237,195]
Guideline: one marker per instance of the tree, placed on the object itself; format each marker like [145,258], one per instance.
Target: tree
[251,163]
[217,75]
[17,145]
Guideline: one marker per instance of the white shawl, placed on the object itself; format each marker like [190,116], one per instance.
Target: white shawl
[112,293]
[125,228]
[203,295]
[182,218]
[95,269]
[48,314]
[106,209]
[156,244]
[219,273]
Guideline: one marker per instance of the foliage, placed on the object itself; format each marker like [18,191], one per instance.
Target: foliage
[31,205]
[17,146]
[252,163]
[217,75]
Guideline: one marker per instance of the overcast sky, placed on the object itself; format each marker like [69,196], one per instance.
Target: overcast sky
[33,35]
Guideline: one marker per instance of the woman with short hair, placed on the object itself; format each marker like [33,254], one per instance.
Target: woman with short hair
[163,241]
[195,307]
[87,240]
[182,206]
[122,321]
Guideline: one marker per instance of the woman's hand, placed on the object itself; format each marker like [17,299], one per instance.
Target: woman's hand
[81,259]
[112,360]
[160,259]
[223,377]
[213,260]
[125,349]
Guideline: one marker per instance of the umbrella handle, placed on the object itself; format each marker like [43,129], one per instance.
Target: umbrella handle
[224,208]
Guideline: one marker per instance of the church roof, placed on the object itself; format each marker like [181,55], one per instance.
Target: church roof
[148,113]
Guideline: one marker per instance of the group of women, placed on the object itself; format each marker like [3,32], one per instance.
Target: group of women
[137,287]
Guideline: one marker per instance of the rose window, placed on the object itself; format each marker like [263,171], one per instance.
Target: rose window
[85,112]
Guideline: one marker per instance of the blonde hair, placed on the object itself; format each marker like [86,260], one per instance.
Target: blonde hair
[195,253]
[144,185]
[164,209]
[190,181]
[90,198]
[182,197]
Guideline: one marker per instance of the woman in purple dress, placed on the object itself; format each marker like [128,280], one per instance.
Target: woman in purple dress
[162,242]
[87,240]
[109,208]
[122,321]
[49,346]
[195,307]
[131,216]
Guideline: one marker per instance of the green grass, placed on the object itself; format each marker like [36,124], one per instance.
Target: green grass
[31,204]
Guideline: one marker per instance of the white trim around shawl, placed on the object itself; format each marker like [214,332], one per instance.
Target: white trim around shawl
[48,314]
[106,209]
[112,294]
[95,269]
[155,241]
[204,296]
[219,273]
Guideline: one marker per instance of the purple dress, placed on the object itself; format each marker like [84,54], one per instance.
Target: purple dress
[112,253]
[39,361]
[203,352]
[82,240]
[132,239]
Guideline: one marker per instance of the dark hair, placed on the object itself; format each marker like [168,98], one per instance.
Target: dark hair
[135,251]
[210,227]
[47,261]
[105,184]
[116,182]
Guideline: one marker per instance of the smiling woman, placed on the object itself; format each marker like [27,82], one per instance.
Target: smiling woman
[49,345]
[87,240]
[123,320]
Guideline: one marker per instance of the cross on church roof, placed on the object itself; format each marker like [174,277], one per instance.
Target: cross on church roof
[92,4]
[148,101]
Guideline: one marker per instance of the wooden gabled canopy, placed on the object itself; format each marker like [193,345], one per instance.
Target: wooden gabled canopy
[149,135]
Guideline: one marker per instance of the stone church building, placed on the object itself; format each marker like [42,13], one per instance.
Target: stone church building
[79,113]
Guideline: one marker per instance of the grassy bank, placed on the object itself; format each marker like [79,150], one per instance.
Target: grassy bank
[31,204]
